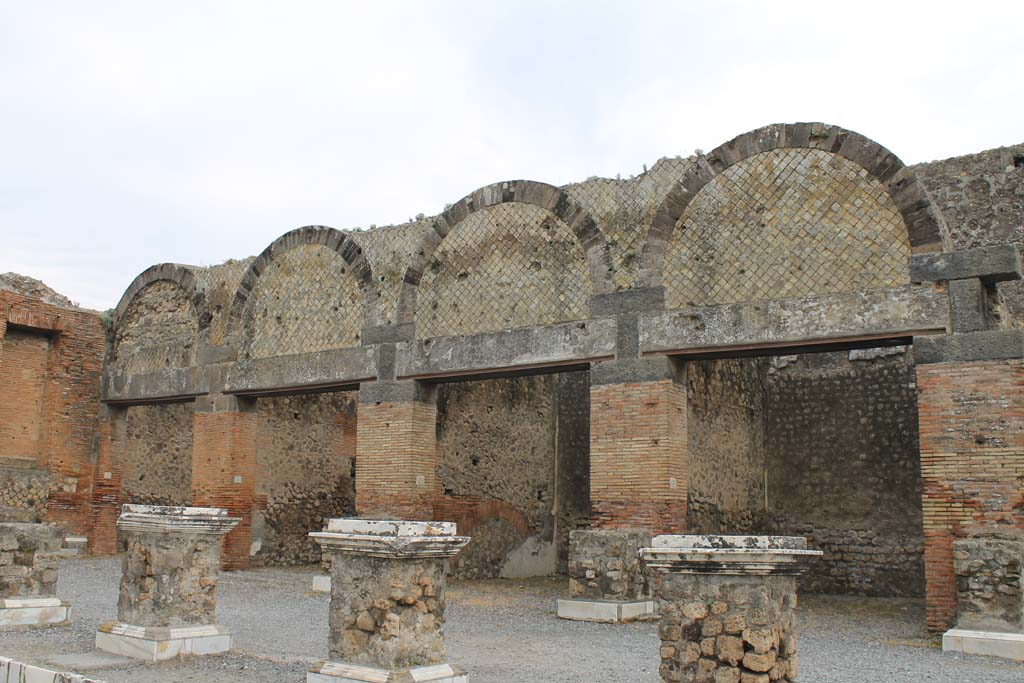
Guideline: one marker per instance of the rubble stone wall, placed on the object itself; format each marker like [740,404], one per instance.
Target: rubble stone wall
[604,564]
[726,427]
[844,468]
[385,613]
[28,560]
[726,628]
[169,580]
[157,466]
[305,450]
[988,577]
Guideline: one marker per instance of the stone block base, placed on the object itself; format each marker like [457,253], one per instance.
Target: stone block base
[322,583]
[29,612]
[607,611]
[11,670]
[339,672]
[154,644]
[991,643]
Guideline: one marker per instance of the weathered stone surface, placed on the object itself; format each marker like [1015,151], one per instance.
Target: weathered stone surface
[28,559]
[604,564]
[974,346]
[734,598]
[993,263]
[388,581]
[337,367]
[170,569]
[532,346]
[988,573]
[897,311]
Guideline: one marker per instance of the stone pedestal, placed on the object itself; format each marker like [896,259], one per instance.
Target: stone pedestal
[168,599]
[28,576]
[990,602]
[387,601]
[728,606]
[606,578]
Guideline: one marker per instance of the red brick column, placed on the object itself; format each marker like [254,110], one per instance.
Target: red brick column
[396,451]
[105,499]
[638,446]
[224,468]
[972,462]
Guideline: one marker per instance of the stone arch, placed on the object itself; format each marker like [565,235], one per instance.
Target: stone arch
[547,198]
[154,345]
[924,228]
[295,244]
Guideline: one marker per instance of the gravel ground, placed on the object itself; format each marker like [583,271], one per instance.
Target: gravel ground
[501,632]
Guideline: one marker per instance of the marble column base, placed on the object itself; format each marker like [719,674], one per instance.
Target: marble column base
[991,643]
[155,643]
[38,612]
[606,611]
[11,670]
[339,672]
[322,583]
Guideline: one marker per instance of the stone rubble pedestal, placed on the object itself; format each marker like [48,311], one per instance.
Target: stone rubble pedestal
[728,606]
[388,581]
[28,576]
[167,603]
[606,578]
[990,597]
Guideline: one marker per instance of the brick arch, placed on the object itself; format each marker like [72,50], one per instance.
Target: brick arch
[925,229]
[488,509]
[180,275]
[345,245]
[173,272]
[547,197]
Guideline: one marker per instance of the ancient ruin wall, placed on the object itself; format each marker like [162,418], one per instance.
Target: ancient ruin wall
[305,447]
[157,452]
[844,468]
[48,403]
[158,330]
[726,428]
[981,195]
[509,441]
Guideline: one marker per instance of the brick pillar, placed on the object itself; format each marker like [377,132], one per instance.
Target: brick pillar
[224,468]
[106,488]
[638,445]
[972,462]
[396,451]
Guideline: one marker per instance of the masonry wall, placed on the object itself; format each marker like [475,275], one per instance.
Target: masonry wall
[505,445]
[50,357]
[305,451]
[157,455]
[726,410]
[841,446]
[972,461]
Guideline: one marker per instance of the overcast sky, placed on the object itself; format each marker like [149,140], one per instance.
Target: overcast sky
[135,133]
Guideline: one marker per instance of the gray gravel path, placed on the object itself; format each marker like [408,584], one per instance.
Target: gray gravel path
[501,632]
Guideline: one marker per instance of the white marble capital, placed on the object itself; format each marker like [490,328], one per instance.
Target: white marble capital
[737,555]
[172,519]
[394,539]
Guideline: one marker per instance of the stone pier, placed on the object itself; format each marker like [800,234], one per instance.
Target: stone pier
[606,578]
[728,606]
[990,602]
[387,601]
[28,575]
[168,599]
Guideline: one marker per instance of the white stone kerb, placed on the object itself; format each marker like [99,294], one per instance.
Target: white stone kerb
[390,538]
[736,555]
[170,519]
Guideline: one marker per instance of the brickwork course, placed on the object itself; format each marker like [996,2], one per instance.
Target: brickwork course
[795,237]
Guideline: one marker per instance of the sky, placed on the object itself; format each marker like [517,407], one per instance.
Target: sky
[135,133]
